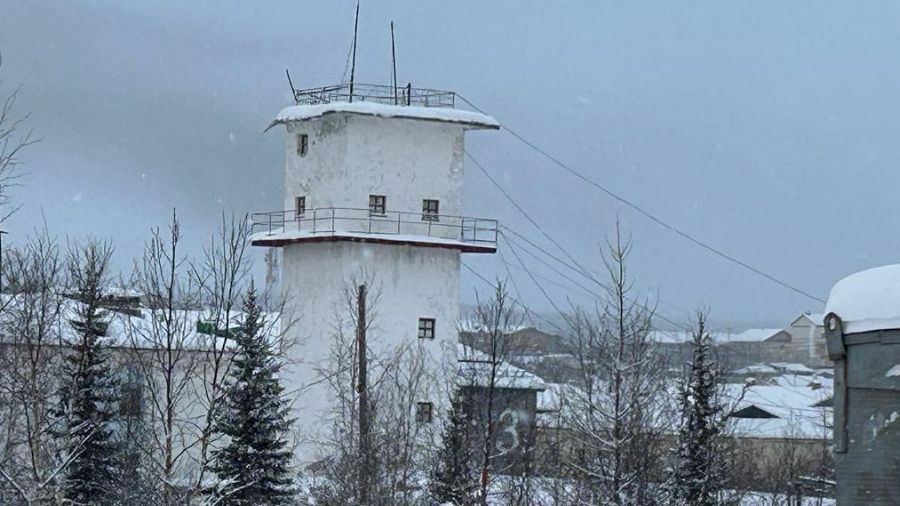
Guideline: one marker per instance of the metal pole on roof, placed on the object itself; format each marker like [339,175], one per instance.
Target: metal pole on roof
[394,60]
[293,90]
[353,65]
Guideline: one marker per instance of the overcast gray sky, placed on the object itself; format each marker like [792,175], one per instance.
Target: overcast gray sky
[768,129]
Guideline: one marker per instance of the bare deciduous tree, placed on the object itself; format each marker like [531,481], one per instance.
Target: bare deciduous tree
[31,321]
[622,405]
[162,345]
[221,277]
[12,141]
[495,319]
[399,446]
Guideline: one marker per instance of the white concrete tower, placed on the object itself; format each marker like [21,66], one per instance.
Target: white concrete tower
[373,192]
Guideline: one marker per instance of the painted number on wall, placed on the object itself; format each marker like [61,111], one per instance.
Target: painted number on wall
[508,431]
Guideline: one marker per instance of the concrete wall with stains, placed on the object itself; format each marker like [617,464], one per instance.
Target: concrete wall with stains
[405,283]
[351,156]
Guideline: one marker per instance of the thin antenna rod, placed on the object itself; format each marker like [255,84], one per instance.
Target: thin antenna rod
[293,90]
[394,60]
[353,65]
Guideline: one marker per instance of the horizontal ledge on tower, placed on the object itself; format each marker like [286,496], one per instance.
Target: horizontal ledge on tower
[281,239]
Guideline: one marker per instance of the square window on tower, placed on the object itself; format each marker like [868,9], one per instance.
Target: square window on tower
[430,210]
[423,412]
[302,144]
[377,204]
[426,328]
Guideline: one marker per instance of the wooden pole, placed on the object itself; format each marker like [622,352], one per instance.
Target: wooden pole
[394,60]
[2,267]
[353,65]
[362,390]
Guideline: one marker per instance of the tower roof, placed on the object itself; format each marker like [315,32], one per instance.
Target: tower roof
[382,101]
[469,119]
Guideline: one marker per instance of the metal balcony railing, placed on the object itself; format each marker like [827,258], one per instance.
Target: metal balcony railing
[377,93]
[333,220]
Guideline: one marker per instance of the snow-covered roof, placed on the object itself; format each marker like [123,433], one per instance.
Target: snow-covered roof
[681,336]
[475,370]
[753,335]
[792,367]
[868,300]
[792,399]
[468,119]
[755,369]
[140,331]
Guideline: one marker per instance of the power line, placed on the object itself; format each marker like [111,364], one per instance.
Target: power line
[580,269]
[531,243]
[550,300]
[515,286]
[521,210]
[573,269]
[530,275]
[523,306]
[552,268]
[647,214]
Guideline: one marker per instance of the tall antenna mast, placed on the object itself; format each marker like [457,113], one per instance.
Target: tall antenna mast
[353,65]
[394,60]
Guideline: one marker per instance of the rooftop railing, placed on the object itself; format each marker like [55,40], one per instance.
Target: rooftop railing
[377,93]
[335,220]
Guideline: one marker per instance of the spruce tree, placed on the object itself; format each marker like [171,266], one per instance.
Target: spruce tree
[454,478]
[253,467]
[696,478]
[89,392]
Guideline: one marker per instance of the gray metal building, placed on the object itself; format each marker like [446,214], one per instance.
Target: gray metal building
[862,331]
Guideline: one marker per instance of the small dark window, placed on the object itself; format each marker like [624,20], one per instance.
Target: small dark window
[430,210]
[131,404]
[377,204]
[423,412]
[300,206]
[426,328]
[302,144]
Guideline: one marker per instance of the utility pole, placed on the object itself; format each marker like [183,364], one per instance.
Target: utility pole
[362,390]
[2,266]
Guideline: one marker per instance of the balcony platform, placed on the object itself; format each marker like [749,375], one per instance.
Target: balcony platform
[281,239]
[334,224]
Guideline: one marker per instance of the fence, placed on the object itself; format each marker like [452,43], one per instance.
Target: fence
[331,220]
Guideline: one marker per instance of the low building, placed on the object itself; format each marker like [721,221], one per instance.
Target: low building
[491,387]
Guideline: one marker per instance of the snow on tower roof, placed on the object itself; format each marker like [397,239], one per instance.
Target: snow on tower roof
[468,119]
[868,300]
